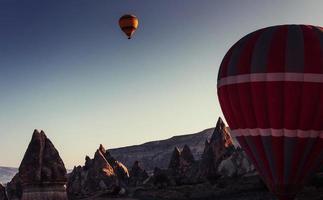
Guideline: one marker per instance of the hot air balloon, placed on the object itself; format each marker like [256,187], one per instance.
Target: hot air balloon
[270,88]
[128,24]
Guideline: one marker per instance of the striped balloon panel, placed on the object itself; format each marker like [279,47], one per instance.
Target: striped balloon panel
[277,49]
[270,88]
[277,105]
[283,162]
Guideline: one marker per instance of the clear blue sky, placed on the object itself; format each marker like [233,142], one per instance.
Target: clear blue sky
[66,68]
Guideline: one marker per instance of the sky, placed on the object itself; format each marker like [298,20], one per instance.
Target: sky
[66,68]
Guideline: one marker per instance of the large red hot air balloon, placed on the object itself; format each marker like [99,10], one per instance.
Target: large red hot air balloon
[270,88]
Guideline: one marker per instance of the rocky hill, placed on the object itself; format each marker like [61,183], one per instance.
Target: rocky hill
[157,153]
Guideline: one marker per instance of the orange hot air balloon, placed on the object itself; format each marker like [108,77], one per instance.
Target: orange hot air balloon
[128,24]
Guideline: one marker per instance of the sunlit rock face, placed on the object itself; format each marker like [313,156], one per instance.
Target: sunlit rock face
[219,148]
[3,195]
[119,169]
[102,174]
[42,173]
[96,175]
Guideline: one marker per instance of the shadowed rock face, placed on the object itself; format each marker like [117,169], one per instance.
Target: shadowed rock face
[175,159]
[41,162]
[187,154]
[181,170]
[3,195]
[14,188]
[137,174]
[182,167]
[181,162]
[42,174]
[217,149]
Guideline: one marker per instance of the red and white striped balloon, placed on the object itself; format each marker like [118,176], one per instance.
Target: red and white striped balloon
[270,88]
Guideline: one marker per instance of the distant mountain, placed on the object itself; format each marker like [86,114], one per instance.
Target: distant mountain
[158,153]
[6,174]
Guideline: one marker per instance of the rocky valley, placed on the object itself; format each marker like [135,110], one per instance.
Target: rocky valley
[205,165]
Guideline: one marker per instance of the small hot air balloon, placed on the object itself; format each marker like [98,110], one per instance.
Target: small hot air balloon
[128,24]
[270,88]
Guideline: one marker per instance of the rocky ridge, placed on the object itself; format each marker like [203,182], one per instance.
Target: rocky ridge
[220,158]
[158,153]
[103,173]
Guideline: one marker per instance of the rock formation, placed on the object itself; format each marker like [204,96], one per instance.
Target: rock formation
[101,169]
[181,170]
[220,159]
[182,166]
[120,170]
[41,162]
[181,161]
[174,163]
[42,174]
[187,154]
[102,174]
[236,165]
[3,195]
[137,175]
[217,149]
[14,188]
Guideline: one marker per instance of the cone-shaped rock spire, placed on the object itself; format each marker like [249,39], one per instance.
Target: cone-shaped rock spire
[42,174]
[175,159]
[218,148]
[187,155]
[41,162]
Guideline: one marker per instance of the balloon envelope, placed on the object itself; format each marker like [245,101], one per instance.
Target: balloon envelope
[128,24]
[270,88]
